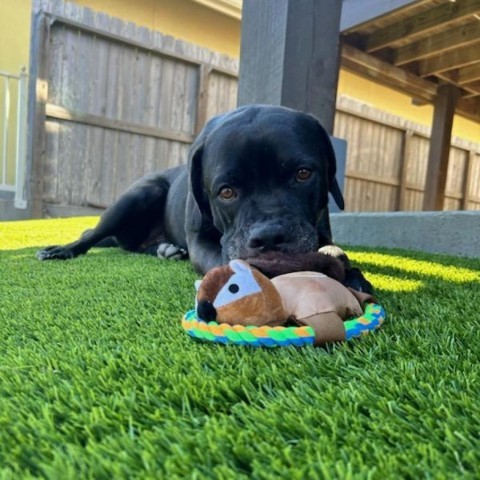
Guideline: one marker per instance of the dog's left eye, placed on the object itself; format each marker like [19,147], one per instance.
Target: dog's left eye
[227,193]
[303,174]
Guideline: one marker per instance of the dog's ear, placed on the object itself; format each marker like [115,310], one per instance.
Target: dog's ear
[196,178]
[333,185]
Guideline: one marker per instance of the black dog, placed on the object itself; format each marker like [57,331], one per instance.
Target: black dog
[257,180]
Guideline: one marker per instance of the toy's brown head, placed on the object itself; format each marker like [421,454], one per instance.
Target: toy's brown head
[237,294]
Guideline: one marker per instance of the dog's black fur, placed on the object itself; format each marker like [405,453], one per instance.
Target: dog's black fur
[257,180]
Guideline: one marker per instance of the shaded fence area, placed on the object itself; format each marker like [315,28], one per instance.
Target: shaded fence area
[114,101]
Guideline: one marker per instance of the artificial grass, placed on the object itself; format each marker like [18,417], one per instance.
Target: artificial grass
[98,380]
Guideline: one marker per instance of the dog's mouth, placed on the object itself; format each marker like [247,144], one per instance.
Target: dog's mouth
[249,244]
[273,263]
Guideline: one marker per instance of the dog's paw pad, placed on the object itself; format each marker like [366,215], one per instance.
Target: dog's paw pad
[170,251]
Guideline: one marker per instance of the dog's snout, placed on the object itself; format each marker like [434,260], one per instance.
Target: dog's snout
[267,237]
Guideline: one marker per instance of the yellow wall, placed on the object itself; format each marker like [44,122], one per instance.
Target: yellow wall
[180,18]
[14,54]
[14,34]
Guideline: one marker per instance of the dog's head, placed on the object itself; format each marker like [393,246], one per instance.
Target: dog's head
[261,175]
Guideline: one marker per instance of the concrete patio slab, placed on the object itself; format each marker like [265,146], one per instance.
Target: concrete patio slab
[453,233]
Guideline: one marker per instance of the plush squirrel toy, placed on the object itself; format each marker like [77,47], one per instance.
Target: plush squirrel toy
[239,294]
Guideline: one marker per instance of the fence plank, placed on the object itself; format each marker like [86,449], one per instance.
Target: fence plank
[404,165]
[202,97]
[455,178]
[467,180]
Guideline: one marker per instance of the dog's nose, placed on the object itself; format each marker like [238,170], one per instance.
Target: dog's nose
[267,237]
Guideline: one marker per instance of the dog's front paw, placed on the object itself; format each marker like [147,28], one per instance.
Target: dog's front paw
[54,253]
[169,251]
[354,279]
[337,253]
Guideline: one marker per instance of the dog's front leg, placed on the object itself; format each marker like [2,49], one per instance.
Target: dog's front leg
[205,253]
[203,239]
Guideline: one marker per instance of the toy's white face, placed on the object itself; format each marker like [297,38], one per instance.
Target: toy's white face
[241,284]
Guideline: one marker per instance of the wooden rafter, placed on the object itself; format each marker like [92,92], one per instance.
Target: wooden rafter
[472,88]
[462,76]
[422,90]
[422,23]
[449,61]
[470,108]
[395,77]
[467,91]
[468,74]
[437,44]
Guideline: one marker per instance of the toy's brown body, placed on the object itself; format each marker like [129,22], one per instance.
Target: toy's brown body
[315,300]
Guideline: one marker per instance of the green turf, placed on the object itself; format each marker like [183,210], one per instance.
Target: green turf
[98,380]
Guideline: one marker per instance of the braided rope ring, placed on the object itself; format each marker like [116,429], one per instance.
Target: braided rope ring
[265,336]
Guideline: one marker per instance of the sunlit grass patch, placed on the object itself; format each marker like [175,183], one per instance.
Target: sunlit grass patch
[431,268]
[38,233]
[394,284]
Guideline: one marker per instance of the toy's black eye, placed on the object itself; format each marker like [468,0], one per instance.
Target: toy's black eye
[303,174]
[233,288]
[227,193]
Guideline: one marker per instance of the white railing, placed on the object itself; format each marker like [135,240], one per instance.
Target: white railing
[7,126]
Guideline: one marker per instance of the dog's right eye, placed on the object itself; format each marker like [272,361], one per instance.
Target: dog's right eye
[227,193]
[303,174]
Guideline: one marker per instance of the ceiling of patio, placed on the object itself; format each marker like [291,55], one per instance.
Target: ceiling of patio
[416,47]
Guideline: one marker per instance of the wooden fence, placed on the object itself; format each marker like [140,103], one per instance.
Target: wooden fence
[387,162]
[114,101]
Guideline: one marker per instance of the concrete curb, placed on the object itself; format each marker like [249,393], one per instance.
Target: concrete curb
[452,233]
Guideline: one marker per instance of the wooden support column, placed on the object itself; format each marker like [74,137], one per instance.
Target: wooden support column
[439,151]
[38,93]
[290,55]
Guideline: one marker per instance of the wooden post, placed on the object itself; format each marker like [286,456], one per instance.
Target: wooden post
[202,97]
[439,151]
[38,92]
[290,55]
